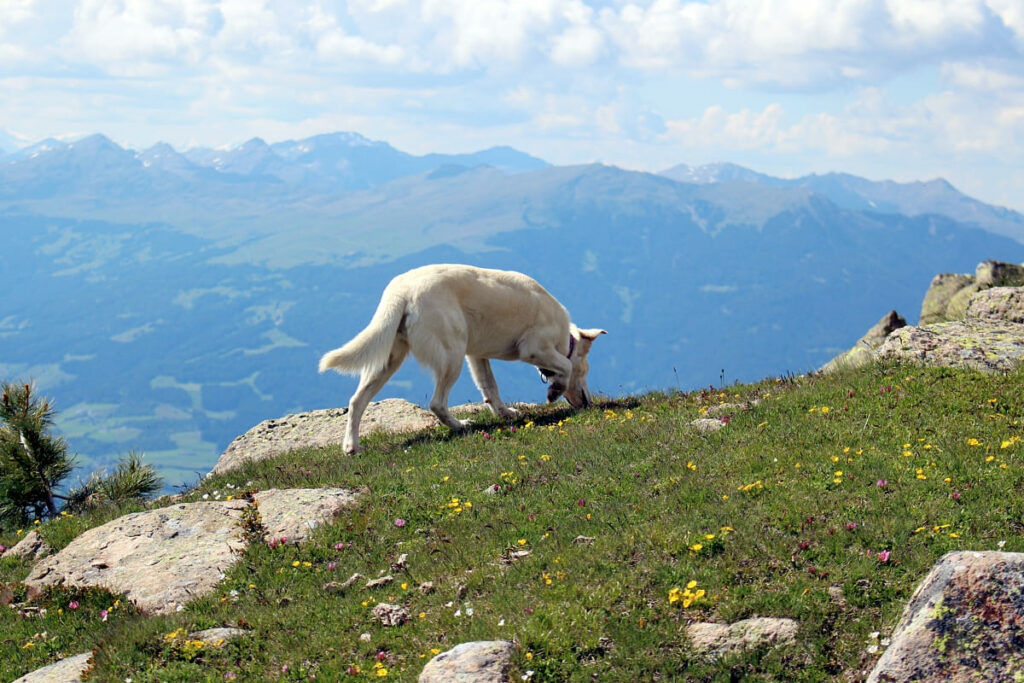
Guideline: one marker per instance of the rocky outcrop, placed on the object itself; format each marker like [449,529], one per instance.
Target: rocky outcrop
[999,304]
[320,428]
[32,547]
[713,641]
[485,661]
[863,352]
[964,622]
[949,294]
[67,670]
[935,308]
[967,321]
[983,346]
[161,559]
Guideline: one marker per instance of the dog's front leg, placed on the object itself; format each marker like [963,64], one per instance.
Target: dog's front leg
[557,369]
[488,386]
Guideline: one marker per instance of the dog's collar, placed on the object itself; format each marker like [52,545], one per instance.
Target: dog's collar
[572,345]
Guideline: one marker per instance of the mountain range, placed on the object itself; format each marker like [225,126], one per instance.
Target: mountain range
[170,300]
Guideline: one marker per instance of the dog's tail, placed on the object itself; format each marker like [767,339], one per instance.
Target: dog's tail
[370,349]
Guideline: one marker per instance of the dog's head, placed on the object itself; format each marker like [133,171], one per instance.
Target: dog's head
[577,393]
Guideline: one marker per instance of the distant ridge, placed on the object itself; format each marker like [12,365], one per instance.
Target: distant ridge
[170,300]
[937,197]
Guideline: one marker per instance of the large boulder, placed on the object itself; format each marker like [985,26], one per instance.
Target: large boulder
[320,428]
[999,274]
[982,346]
[862,352]
[965,622]
[160,559]
[486,661]
[998,304]
[935,307]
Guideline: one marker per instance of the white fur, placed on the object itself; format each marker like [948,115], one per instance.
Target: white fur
[442,313]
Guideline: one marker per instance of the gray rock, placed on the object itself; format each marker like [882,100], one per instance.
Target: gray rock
[713,641]
[218,637]
[999,274]
[68,670]
[390,615]
[863,352]
[935,307]
[983,346]
[32,547]
[997,304]
[320,428]
[963,623]
[706,425]
[161,559]
[485,661]
[382,581]
[294,513]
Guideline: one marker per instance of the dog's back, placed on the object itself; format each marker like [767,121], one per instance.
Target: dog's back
[492,310]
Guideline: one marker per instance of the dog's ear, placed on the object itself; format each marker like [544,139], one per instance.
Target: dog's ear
[592,334]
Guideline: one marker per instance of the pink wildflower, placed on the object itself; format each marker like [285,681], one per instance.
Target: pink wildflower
[883,555]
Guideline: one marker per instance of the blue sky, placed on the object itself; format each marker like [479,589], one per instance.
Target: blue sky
[902,89]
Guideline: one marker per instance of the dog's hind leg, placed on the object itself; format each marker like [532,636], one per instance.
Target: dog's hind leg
[369,385]
[488,386]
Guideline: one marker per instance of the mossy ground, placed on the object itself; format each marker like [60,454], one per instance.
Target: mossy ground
[827,503]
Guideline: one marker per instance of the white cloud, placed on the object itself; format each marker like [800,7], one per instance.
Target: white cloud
[15,11]
[806,42]
[577,46]
[644,83]
[128,35]
[985,78]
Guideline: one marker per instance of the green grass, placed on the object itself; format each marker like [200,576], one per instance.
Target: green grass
[756,513]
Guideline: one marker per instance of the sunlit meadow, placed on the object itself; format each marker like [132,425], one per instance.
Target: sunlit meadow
[591,539]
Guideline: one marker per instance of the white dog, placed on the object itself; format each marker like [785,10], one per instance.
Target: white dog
[444,312]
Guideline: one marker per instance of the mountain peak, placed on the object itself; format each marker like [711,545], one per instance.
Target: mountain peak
[253,144]
[94,143]
[711,173]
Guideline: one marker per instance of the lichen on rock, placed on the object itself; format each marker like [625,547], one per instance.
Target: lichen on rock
[965,622]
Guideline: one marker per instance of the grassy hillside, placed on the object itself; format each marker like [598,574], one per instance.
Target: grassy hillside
[826,503]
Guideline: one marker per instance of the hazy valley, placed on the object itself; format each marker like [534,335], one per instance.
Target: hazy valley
[170,301]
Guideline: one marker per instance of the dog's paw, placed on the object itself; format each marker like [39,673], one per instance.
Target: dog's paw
[509,413]
[351,449]
[554,391]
